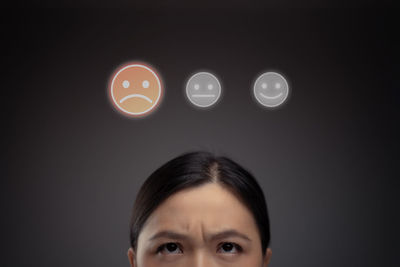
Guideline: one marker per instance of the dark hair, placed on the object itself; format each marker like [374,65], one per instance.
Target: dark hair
[194,169]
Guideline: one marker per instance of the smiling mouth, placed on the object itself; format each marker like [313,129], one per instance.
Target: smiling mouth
[136,95]
[211,95]
[271,97]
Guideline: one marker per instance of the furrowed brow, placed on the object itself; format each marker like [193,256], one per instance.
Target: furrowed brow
[169,234]
[230,233]
[217,236]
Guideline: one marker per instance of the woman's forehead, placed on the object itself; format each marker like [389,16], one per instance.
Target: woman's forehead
[209,208]
[204,199]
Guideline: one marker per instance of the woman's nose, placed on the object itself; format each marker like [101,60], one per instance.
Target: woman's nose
[203,259]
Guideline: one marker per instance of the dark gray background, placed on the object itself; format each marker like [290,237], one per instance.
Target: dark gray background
[326,159]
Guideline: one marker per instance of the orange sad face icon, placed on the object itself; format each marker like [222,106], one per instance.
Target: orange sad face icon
[136,90]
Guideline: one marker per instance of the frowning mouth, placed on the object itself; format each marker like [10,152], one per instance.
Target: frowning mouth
[271,97]
[135,95]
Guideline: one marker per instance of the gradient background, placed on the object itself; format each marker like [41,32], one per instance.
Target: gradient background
[327,160]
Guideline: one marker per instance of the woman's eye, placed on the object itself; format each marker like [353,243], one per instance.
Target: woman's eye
[169,248]
[229,247]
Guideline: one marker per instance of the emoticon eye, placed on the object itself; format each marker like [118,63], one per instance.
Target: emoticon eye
[125,84]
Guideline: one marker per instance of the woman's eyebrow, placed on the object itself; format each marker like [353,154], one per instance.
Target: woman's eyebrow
[229,233]
[220,235]
[169,234]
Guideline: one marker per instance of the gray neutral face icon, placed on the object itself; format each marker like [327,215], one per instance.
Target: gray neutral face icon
[271,89]
[203,89]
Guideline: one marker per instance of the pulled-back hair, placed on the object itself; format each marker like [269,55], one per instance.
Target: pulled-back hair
[194,169]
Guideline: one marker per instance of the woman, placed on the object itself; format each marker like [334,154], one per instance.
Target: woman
[200,210]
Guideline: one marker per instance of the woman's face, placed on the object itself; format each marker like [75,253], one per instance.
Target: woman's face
[203,226]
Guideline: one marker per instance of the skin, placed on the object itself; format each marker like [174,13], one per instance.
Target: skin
[197,214]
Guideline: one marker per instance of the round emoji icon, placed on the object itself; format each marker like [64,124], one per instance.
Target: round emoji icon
[271,89]
[136,89]
[203,89]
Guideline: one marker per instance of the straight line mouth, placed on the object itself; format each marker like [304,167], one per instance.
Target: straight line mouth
[210,95]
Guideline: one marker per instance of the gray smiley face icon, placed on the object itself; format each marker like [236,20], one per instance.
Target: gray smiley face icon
[203,89]
[271,89]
